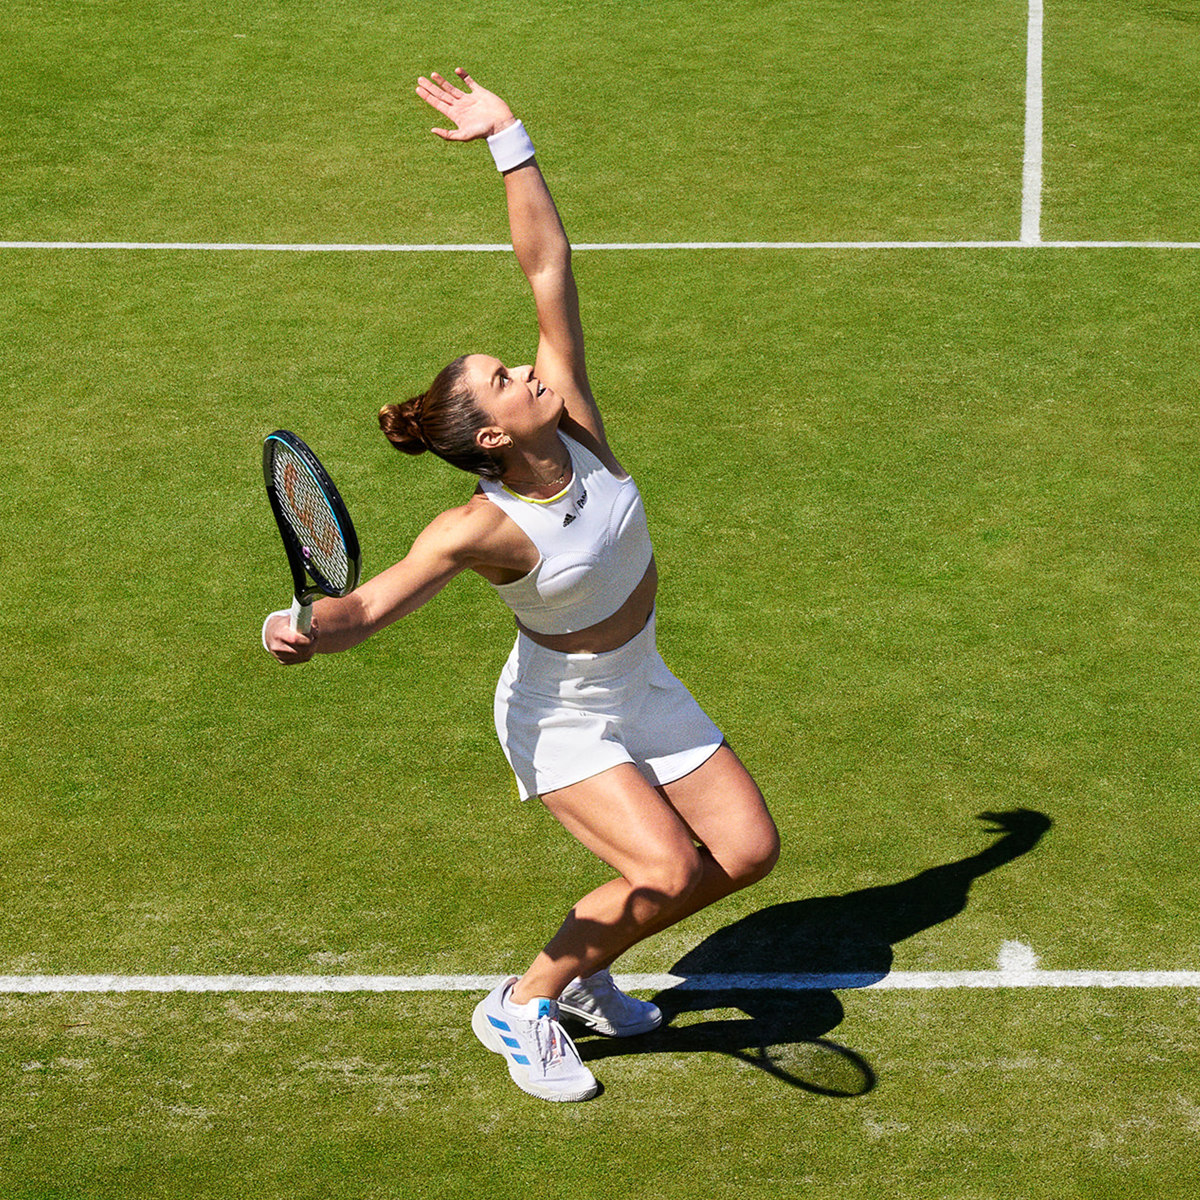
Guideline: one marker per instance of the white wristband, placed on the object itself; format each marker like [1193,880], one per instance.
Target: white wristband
[510,147]
[283,612]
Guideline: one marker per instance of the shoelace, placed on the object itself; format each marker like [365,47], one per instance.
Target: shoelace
[549,1039]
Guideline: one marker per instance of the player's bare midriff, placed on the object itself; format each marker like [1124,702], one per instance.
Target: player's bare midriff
[613,632]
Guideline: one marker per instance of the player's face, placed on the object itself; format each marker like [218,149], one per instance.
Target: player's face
[513,397]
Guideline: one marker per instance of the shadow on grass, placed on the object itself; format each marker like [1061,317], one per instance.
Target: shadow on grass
[849,937]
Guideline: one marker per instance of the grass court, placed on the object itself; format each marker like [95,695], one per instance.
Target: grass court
[923,499]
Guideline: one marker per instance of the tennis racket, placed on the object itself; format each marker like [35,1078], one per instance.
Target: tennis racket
[318,535]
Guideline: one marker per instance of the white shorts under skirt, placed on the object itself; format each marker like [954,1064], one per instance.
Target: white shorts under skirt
[562,718]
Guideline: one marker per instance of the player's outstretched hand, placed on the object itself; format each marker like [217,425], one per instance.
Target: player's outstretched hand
[476,113]
[289,645]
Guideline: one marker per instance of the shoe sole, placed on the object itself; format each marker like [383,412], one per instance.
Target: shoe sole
[599,1025]
[483,1030]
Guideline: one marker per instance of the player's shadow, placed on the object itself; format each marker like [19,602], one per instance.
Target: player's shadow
[782,1029]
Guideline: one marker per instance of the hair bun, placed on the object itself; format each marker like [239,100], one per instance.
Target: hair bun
[446,420]
[401,426]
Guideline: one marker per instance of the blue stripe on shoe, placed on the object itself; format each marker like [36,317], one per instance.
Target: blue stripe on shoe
[520,1058]
[498,1024]
[510,1041]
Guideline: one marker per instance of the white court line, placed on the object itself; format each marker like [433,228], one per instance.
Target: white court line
[324,984]
[504,247]
[1031,183]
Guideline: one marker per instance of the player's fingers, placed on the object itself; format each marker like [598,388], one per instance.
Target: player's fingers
[293,648]
[447,86]
[444,109]
[295,639]
[432,94]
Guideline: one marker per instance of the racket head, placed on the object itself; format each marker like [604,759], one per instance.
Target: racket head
[313,521]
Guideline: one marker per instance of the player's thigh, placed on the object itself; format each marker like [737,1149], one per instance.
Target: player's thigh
[725,810]
[624,821]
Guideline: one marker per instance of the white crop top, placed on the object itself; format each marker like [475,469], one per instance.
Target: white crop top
[593,542]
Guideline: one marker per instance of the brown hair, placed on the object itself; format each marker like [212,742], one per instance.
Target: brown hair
[444,420]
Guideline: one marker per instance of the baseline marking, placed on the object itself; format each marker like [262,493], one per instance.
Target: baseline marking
[504,247]
[323,984]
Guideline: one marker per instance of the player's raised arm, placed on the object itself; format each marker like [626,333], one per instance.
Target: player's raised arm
[539,239]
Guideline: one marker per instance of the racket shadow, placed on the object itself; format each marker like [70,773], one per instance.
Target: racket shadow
[782,1030]
[779,1032]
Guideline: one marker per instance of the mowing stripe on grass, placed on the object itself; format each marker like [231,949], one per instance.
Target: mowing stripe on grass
[896,981]
[504,247]
[1031,185]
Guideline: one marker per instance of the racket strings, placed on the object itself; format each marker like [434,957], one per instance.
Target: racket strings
[313,522]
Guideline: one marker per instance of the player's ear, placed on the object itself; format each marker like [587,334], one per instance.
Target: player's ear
[492,438]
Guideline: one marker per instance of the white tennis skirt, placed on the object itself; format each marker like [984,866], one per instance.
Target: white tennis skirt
[562,718]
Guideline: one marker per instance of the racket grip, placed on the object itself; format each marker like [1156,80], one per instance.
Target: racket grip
[301,615]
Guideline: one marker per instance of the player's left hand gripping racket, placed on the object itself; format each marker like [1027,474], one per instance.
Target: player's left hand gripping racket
[316,529]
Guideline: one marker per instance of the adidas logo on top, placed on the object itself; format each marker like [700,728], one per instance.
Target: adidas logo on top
[578,504]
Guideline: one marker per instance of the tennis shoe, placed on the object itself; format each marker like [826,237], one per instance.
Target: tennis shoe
[603,1007]
[541,1058]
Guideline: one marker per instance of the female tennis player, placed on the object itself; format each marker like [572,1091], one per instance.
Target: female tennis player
[590,718]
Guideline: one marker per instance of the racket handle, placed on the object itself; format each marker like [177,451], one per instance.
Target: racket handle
[301,616]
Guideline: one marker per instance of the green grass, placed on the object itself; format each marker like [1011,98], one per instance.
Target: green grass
[940,537]
[927,529]
[368,1098]
[174,120]
[1122,155]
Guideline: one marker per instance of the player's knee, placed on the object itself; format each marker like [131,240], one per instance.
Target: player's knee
[768,856]
[757,859]
[670,880]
